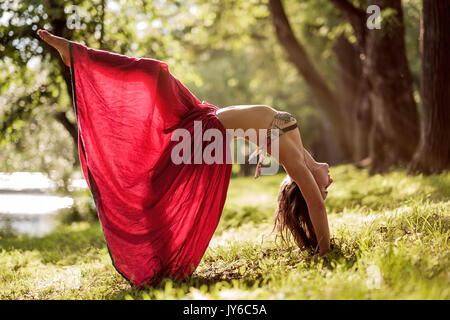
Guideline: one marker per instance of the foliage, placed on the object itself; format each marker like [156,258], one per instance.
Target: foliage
[83,209]
[390,237]
[224,51]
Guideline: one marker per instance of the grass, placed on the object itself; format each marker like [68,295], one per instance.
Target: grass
[390,235]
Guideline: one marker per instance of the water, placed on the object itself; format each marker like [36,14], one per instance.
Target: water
[26,204]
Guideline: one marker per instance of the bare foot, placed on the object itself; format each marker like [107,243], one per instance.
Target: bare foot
[60,44]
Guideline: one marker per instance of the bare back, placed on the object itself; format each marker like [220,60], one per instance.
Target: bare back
[246,116]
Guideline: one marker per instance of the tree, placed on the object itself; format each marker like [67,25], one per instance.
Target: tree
[326,99]
[20,43]
[394,132]
[433,153]
[244,65]
[351,90]
[46,89]
[225,51]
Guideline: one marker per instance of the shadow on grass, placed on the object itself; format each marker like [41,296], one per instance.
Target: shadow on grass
[441,185]
[193,282]
[66,243]
[339,255]
[213,278]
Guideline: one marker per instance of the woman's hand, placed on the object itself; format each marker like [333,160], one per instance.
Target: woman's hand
[60,44]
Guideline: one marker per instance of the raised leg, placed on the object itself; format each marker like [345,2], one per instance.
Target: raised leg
[60,44]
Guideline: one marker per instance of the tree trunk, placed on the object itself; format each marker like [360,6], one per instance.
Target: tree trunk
[60,29]
[326,149]
[394,132]
[351,91]
[433,154]
[393,105]
[326,100]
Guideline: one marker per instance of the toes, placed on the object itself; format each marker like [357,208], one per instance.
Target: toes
[45,35]
[49,38]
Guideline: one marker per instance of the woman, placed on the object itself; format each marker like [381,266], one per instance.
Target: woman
[158,217]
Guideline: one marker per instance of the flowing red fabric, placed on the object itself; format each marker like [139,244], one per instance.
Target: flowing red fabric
[157,217]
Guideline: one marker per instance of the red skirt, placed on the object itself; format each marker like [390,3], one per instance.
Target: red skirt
[157,217]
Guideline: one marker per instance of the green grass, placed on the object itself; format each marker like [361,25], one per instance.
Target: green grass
[390,233]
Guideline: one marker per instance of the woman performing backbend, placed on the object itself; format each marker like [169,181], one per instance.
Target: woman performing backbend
[158,216]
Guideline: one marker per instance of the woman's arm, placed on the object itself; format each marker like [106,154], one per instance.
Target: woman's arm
[309,160]
[294,162]
[316,206]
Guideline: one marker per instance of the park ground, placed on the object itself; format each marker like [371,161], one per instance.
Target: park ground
[390,236]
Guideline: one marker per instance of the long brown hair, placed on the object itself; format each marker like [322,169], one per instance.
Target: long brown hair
[292,215]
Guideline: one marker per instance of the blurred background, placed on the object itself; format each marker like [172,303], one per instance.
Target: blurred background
[367,90]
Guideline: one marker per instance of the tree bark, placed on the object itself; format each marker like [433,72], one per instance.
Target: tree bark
[394,132]
[326,100]
[351,91]
[61,117]
[433,153]
[60,29]
[325,149]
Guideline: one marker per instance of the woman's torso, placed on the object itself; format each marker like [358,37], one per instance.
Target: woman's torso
[246,117]
[249,118]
